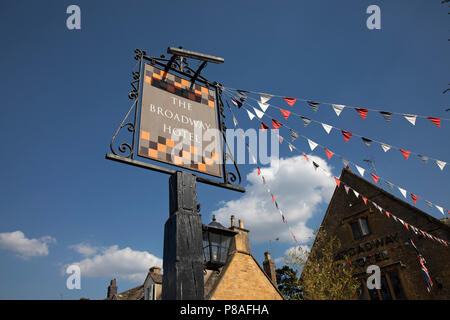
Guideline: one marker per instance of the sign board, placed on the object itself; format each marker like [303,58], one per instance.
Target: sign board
[179,124]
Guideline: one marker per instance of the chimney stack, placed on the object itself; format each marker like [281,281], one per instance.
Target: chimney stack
[269,268]
[112,289]
[155,270]
[233,221]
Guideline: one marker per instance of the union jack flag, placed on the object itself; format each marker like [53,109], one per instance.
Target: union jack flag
[423,267]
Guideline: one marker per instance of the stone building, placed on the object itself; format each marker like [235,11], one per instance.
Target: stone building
[369,237]
[240,278]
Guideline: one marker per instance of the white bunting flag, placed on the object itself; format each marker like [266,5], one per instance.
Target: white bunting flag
[356,193]
[312,144]
[385,147]
[403,191]
[258,113]
[440,209]
[347,188]
[253,159]
[441,164]
[250,115]
[265,97]
[235,121]
[360,170]
[326,127]
[338,108]
[290,146]
[263,106]
[411,118]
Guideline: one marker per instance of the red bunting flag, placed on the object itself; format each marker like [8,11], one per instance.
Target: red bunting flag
[259,171]
[307,159]
[282,217]
[264,126]
[273,199]
[290,101]
[338,182]
[387,213]
[436,121]
[285,113]
[293,236]
[276,124]
[414,198]
[406,225]
[375,178]
[329,153]
[362,112]
[365,200]
[347,135]
[405,153]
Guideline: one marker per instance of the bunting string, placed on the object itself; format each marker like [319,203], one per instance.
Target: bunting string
[329,153]
[347,134]
[338,108]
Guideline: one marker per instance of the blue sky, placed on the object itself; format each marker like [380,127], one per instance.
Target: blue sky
[65,92]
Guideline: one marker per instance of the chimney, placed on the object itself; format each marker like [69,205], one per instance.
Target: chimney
[112,289]
[155,270]
[269,268]
[241,241]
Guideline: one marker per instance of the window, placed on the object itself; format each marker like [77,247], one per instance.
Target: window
[360,228]
[391,288]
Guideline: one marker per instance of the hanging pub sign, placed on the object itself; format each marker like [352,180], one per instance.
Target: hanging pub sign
[179,123]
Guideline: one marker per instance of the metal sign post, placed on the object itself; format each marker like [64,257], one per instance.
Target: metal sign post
[159,82]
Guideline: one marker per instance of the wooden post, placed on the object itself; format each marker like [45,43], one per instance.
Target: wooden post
[183,252]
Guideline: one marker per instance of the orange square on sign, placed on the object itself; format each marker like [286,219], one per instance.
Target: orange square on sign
[186,155]
[204,90]
[201,167]
[193,149]
[177,160]
[161,147]
[157,76]
[211,103]
[209,161]
[215,156]
[152,153]
[177,84]
[184,82]
[170,143]
[145,135]
[148,79]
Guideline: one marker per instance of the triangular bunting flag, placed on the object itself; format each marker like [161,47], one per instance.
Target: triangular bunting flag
[263,106]
[258,113]
[436,121]
[235,121]
[306,121]
[428,203]
[345,162]
[276,124]
[237,103]
[441,164]
[347,188]
[360,170]
[402,191]
[440,209]
[312,144]
[390,184]
[395,218]
[306,157]
[385,147]
[405,153]
[338,182]
[362,112]
[414,198]
[356,193]
[386,115]
[280,138]
[347,135]
[411,118]
[424,158]
[290,101]
[273,199]
[375,178]
[329,153]
[294,134]
[264,126]
[265,97]
[313,105]
[387,213]
[259,171]
[338,108]
[366,141]
[291,147]
[364,199]
[250,115]
[285,113]
[315,165]
[326,127]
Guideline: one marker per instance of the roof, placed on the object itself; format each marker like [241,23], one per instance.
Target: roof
[136,293]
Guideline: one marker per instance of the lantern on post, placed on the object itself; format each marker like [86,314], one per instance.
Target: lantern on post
[216,243]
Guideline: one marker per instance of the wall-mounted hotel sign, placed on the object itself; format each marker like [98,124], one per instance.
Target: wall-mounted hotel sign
[178,122]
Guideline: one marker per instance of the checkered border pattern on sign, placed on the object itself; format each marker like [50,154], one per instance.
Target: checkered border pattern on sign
[179,86]
[188,156]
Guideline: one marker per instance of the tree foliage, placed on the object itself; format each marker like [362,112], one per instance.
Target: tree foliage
[323,277]
[289,283]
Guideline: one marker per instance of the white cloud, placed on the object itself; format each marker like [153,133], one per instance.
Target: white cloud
[298,190]
[113,262]
[24,247]
[85,249]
